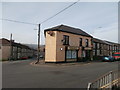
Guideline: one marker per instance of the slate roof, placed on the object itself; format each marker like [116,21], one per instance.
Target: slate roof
[101,41]
[98,40]
[112,43]
[6,42]
[68,29]
[104,42]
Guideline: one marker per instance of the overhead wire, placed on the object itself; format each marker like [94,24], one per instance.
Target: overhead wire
[18,21]
[44,20]
[59,12]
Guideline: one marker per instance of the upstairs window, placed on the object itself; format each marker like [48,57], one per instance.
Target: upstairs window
[80,43]
[87,43]
[94,45]
[109,47]
[65,40]
[100,45]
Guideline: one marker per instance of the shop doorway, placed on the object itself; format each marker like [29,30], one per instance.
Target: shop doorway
[87,54]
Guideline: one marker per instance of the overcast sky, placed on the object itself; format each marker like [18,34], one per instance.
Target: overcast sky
[100,19]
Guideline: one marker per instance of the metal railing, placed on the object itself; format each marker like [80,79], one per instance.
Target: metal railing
[106,81]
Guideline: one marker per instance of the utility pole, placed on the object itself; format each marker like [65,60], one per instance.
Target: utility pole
[38,50]
[11,47]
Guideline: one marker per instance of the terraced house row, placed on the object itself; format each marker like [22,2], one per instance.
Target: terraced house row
[14,51]
[64,43]
[104,48]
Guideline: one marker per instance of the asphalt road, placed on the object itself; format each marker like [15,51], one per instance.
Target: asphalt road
[20,74]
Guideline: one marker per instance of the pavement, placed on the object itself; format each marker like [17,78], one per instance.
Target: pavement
[25,74]
[42,62]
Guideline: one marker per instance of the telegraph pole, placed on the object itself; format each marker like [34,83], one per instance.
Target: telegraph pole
[11,47]
[38,50]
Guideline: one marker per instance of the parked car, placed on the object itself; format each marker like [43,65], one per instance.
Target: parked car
[23,58]
[108,58]
[116,56]
[41,56]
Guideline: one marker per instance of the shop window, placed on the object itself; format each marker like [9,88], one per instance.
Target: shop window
[65,40]
[93,52]
[98,52]
[71,54]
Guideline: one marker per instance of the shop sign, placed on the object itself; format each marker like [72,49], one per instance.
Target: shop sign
[87,48]
[73,47]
